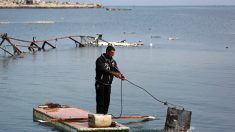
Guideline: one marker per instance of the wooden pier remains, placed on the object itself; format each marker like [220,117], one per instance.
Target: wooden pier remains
[38,45]
[35,45]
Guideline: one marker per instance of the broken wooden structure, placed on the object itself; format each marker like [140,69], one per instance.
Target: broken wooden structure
[38,45]
[32,46]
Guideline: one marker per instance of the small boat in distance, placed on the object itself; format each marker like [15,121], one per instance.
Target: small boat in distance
[116,9]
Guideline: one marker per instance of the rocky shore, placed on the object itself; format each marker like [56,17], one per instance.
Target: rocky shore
[13,4]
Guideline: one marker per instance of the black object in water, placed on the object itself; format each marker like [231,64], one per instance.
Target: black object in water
[177,120]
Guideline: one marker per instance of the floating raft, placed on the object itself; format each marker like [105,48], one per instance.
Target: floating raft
[71,119]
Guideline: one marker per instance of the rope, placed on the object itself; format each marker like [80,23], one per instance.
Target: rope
[163,102]
[121,101]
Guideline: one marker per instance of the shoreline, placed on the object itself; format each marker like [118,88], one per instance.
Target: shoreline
[50,5]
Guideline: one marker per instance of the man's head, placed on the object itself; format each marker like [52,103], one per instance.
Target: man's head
[110,50]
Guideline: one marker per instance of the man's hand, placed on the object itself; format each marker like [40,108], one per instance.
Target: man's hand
[118,75]
[122,77]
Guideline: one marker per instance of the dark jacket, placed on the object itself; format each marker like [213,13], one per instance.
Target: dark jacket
[104,68]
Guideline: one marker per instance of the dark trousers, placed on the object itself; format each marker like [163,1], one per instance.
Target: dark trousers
[102,98]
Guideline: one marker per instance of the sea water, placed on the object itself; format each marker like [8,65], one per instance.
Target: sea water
[190,63]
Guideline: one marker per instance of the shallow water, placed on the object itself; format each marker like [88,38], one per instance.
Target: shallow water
[196,71]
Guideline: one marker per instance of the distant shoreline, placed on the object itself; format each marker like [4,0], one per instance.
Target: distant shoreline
[50,5]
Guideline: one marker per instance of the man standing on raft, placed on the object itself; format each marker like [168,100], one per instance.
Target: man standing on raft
[106,68]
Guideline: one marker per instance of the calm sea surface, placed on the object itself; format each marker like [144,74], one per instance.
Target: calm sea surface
[197,70]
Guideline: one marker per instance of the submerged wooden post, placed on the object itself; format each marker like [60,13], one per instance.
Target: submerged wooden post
[6,51]
[15,49]
[177,120]
[3,39]
[76,42]
[45,42]
[4,36]
[31,47]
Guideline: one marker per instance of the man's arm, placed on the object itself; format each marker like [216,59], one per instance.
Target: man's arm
[117,72]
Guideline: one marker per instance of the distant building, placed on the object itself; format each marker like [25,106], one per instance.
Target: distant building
[19,1]
[29,2]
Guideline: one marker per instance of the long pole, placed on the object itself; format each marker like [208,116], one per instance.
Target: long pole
[6,51]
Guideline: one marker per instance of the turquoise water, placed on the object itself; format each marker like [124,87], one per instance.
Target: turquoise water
[196,70]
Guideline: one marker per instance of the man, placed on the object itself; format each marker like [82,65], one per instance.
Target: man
[106,68]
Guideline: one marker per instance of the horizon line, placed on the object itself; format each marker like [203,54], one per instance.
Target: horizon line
[175,5]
